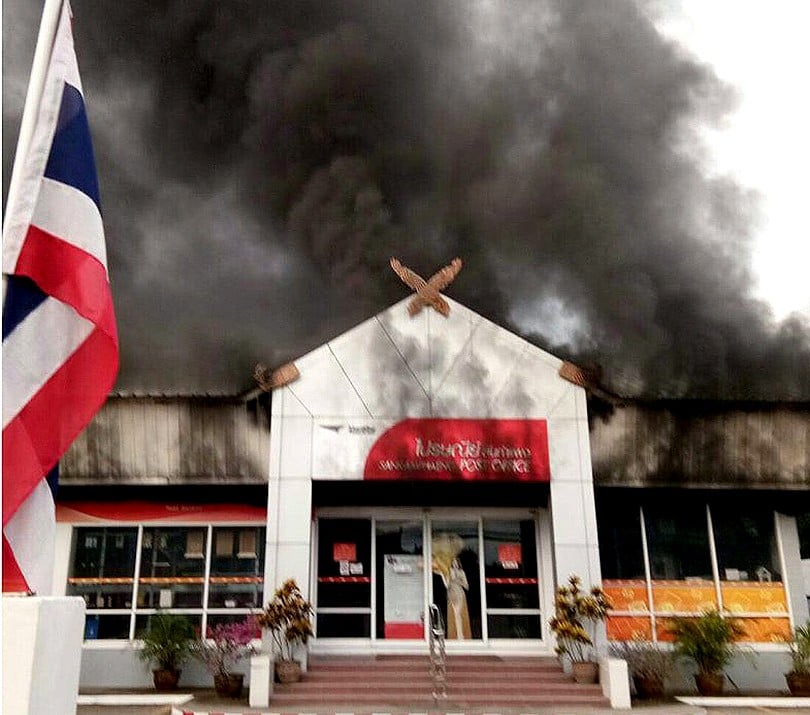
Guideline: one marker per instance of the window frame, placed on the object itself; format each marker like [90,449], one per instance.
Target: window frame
[653,615]
[134,612]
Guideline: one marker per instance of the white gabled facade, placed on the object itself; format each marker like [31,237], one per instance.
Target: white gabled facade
[394,367]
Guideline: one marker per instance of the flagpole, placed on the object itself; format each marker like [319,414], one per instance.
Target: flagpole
[42,55]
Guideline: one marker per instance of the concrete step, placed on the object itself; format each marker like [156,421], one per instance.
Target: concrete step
[383,682]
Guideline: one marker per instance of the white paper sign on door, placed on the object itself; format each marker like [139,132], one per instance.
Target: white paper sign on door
[403,592]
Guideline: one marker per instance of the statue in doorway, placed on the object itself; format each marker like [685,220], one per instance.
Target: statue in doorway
[446,550]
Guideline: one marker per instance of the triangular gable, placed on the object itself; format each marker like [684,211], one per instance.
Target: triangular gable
[394,366]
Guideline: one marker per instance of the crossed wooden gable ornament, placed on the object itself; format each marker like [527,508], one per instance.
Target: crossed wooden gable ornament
[427,295]
[428,291]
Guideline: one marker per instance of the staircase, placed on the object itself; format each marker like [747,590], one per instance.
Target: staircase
[403,683]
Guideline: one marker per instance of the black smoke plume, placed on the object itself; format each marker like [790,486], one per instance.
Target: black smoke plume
[261,161]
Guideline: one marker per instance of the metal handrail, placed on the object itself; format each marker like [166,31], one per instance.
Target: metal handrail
[438,656]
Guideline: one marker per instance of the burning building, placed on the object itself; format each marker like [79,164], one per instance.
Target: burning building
[436,460]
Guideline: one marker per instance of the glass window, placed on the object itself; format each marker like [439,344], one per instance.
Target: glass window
[682,578]
[171,574]
[803,524]
[102,570]
[344,578]
[510,554]
[514,626]
[113,626]
[237,568]
[344,625]
[172,568]
[678,542]
[142,622]
[620,549]
[745,540]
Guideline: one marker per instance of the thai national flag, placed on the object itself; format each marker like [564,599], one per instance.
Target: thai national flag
[60,344]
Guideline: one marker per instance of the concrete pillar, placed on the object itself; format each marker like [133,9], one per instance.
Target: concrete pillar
[793,577]
[42,652]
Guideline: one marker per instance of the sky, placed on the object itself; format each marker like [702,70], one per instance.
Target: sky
[761,48]
[620,178]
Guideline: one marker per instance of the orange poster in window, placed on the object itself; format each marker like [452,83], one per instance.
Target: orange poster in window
[628,628]
[684,596]
[754,597]
[766,630]
[627,595]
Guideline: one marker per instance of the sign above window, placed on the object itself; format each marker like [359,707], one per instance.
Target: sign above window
[142,511]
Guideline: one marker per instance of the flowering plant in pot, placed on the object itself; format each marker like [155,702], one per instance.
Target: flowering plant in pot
[167,645]
[226,645]
[709,641]
[288,618]
[648,664]
[576,613]
[798,679]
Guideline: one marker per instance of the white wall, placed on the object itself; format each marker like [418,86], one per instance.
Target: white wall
[754,671]
[116,665]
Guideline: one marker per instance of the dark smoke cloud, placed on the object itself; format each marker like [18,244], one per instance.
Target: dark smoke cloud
[261,161]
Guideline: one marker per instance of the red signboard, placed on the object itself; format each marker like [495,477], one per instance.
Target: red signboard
[502,450]
[142,511]
[344,552]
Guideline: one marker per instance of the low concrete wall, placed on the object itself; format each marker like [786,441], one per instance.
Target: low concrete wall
[42,639]
[119,667]
[757,672]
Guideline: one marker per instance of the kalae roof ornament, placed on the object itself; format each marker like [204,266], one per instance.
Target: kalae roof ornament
[427,291]
[271,379]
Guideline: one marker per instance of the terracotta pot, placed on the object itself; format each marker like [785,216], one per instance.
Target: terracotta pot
[288,671]
[710,684]
[649,687]
[230,685]
[165,679]
[585,672]
[798,683]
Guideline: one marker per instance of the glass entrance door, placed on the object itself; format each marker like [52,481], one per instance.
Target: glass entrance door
[400,591]
[456,577]
[376,577]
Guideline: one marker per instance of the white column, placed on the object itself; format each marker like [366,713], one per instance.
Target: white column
[573,511]
[289,503]
[793,576]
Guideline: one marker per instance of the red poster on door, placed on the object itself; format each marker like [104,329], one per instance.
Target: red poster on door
[404,631]
[448,449]
[344,552]
[509,553]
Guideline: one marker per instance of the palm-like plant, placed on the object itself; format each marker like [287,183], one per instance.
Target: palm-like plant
[800,650]
[167,645]
[288,617]
[708,640]
[575,613]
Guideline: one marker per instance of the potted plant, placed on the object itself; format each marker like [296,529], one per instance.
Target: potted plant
[166,645]
[576,613]
[798,679]
[288,618]
[648,664]
[708,641]
[226,645]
